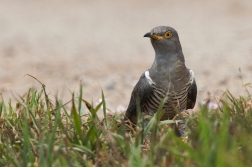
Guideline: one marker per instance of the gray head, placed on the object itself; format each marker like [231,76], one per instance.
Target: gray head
[169,58]
[165,40]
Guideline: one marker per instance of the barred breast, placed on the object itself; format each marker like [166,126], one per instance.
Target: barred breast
[176,101]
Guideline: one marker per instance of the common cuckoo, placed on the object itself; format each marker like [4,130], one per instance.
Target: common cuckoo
[168,76]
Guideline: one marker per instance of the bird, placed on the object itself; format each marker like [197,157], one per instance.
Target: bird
[168,77]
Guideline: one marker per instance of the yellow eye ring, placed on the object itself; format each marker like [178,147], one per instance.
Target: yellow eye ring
[168,34]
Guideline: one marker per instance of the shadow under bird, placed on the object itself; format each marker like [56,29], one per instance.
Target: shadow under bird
[168,77]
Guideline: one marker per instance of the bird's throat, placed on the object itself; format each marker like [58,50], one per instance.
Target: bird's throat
[167,63]
[167,70]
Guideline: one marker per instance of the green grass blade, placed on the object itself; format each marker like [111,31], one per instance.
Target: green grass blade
[76,120]
[52,137]
[26,142]
[104,108]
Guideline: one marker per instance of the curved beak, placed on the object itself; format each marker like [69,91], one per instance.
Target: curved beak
[148,34]
[152,36]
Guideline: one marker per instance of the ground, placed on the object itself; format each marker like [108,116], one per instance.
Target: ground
[101,44]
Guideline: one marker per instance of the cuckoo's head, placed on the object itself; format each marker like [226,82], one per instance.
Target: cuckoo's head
[164,39]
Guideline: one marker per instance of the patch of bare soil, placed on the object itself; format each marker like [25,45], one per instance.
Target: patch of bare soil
[102,44]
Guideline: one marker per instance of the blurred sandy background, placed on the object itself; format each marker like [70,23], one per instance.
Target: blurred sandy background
[101,43]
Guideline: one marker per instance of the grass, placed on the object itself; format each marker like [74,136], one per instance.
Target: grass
[38,131]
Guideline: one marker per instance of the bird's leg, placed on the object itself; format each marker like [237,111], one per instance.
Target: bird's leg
[180,129]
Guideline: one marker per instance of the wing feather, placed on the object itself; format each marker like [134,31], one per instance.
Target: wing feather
[192,94]
[140,94]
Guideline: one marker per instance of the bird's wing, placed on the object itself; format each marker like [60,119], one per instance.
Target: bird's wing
[139,95]
[192,92]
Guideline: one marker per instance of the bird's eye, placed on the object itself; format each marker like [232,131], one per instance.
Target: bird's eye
[168,34]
